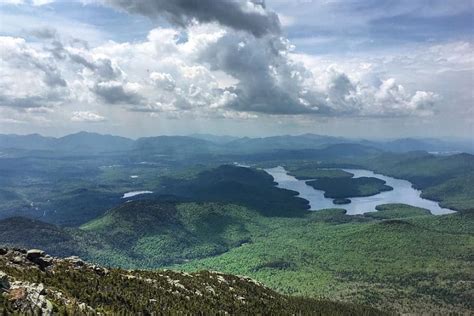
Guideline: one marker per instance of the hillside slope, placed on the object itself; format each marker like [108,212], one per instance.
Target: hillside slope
[400,258]
[249,187]
[152,234]
[33,282]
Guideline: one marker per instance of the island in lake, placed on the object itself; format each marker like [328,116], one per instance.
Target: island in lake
[338,184]
[341,201]
[343,188]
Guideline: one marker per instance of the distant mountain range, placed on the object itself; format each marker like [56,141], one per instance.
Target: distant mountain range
[76,143]
[87,143]
[426,144]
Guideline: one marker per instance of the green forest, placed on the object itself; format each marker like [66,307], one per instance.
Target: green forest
[236,220]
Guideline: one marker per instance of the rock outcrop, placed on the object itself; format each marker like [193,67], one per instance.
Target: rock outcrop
[26,297]
[4,283]
[34,283]
[39,257]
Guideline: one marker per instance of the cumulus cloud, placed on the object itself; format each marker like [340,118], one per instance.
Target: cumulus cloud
[234,72]
[246,15]
[272,80]
[100,67]
[385,97]
[115,92]
[228,59]
[17,53]
[268,79]
[166,75]
[87,116]
[30,77]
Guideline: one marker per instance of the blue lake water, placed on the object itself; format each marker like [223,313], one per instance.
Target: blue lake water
[402,192]
[135,193]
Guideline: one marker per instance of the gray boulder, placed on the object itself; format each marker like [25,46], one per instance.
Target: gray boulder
[40,258]
[4,282]
[75,260]
[33,254]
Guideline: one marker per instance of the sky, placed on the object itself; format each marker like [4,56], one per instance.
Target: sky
[367,68]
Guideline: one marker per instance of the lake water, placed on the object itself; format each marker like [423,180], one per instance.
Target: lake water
[135,193]
[402,192]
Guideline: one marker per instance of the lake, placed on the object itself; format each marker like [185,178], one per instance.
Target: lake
[402,192]
[135,193]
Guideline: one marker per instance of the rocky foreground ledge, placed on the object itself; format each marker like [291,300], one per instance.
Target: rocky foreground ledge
[34,283]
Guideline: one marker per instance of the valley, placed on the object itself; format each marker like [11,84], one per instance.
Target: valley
[191,211]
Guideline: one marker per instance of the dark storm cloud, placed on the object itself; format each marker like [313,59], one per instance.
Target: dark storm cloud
[245,15]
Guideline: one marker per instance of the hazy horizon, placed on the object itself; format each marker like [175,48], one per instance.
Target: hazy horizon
[348,137]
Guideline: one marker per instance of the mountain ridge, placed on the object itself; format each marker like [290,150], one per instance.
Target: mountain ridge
[206,143]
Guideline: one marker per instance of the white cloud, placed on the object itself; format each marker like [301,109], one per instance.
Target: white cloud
[230,71]
[286,20]
[164,75]
[87,116]
[7,120]
[22,63]
[22,2]
[14,2]
[42,2]
[428,78]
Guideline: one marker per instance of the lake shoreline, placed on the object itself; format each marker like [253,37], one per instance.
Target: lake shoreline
[403,193]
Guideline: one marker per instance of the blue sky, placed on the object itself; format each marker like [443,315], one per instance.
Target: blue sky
[344,26]
[359,68]
[371,25]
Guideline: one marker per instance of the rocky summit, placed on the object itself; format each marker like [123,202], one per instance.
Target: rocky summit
[34,283]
